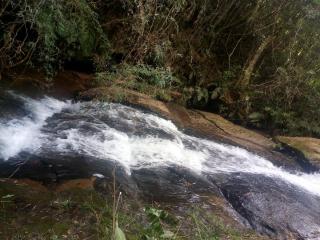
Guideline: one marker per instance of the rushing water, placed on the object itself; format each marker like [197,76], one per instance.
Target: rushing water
[270,197]
[131,137]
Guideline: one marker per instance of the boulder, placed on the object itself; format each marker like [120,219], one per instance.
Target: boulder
[272,206]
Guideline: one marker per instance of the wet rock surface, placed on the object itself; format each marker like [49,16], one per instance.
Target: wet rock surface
[55,169]
[204,124]
[10,107]
[273,207]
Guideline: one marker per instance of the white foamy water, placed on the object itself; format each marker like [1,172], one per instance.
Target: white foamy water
[24,134]
[134,139]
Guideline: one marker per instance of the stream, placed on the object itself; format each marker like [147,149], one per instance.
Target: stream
[48,139]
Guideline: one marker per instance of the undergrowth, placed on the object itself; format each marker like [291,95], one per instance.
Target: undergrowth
[78,214]
[48,33]
[156,82]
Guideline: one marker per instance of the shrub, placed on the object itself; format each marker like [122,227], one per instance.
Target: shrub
[138,77]
[155,82]
[159,77]
[53,31]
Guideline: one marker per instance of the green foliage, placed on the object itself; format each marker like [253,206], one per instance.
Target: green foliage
[159,77]
[211,227]
[156,229]
[55,31]
[72,23]
[119,235]
[66,204]
[203,231]
[199,97]
[143,74]
[156,82]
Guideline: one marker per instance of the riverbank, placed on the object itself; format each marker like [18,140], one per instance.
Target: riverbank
[78,210]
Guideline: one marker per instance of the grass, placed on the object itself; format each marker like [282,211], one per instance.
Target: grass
[31,213]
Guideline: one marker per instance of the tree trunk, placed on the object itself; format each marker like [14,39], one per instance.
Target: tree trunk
[244,80]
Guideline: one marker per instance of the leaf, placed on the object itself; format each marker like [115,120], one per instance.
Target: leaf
[118,233]
[156,227]
[152,212]
[256,117]
[8,196]
[167,234]
[216,93]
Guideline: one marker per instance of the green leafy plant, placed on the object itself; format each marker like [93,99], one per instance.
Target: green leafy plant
[156,229]
[159,77]
[72,22]
[138,74]
[54,31]
[118,233]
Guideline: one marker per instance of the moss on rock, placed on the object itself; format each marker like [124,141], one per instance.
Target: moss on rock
[309,147]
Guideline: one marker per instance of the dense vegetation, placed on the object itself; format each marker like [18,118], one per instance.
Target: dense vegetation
[254,61]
